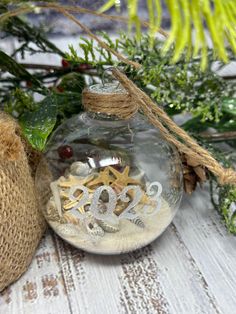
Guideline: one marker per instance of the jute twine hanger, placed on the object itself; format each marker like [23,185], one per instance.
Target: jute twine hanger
[125,105]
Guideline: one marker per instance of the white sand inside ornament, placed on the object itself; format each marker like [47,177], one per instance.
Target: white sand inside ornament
[129,238]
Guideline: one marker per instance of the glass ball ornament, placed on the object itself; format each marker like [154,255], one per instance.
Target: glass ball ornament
[116,184]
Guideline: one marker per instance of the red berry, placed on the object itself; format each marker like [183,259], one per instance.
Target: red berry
[83,67]
[65,63]
[60,89]
[29,84]
[65,152]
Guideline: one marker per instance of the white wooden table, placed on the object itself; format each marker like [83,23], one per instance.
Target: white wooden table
[190,269]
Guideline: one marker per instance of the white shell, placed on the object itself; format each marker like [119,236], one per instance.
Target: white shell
[137,220]
[51,212]
[67,230]
[51,206]
[91,225]
[80,169]
[110,227]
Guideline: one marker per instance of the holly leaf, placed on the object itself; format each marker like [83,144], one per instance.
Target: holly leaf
[38,125]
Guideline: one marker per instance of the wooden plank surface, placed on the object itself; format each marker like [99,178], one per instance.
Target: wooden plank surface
[189,269]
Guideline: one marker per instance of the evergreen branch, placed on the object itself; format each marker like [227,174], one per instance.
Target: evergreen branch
[60,9]
[10,65]
[218,137]
[27,34]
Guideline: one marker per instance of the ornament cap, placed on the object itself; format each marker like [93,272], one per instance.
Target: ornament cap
[111,99]
[107,88]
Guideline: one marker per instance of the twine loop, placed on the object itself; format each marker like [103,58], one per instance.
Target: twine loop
[227,176]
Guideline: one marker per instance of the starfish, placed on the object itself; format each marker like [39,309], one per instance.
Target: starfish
[64,194]
[122,178]
[74,180]
[72,203]
[103,178]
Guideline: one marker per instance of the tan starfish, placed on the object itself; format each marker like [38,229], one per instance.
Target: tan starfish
[122,178]
[71,218]
[71,204]
[103,178]
[64,194]
[74,180]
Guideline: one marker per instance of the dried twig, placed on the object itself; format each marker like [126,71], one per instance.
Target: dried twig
[217,137]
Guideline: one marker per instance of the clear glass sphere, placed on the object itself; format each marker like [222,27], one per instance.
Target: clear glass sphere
[116,185]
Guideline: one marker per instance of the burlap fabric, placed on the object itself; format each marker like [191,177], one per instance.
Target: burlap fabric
[21,222]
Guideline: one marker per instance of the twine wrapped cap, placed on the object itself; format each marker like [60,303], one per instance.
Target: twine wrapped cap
[111,99]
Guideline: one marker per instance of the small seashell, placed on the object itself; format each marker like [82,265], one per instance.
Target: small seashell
[51,212]
[137,220]
[79,168]
[56,196]
[67,230]
[91,225]
[108,226]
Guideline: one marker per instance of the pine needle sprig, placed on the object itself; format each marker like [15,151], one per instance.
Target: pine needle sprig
[188,18]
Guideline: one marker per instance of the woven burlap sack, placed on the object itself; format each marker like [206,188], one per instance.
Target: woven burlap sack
[21,221]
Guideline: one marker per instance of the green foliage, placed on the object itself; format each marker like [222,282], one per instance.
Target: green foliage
[219,16]
[26,34]
[179,88]
[72,82]
[37,125]
[19,102]
[93,54]
[182,87]
[39,119]
[227,206]
[10,65]
[224,201]
[223,197]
